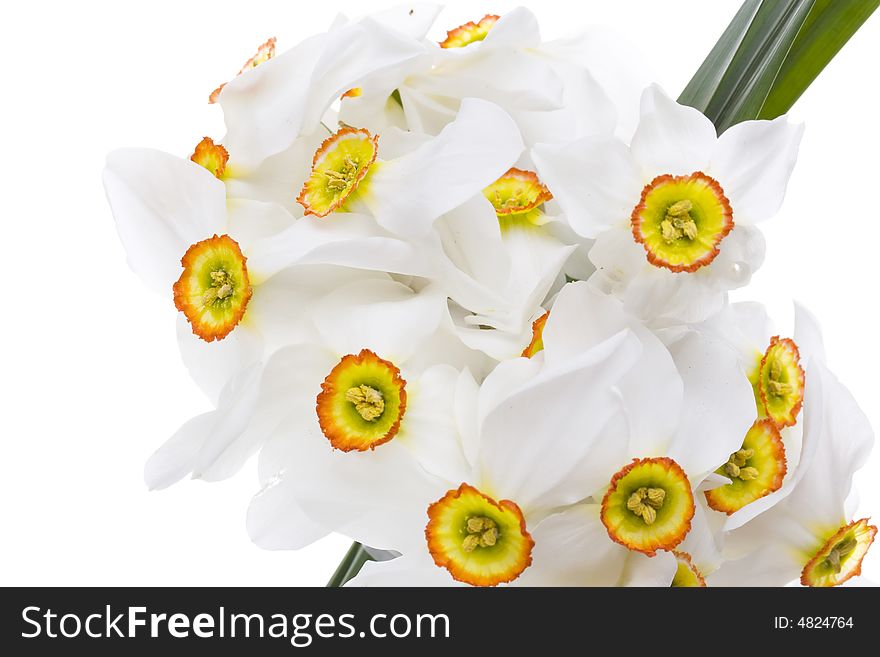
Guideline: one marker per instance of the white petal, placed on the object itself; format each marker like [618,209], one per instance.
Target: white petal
[808,335]
[252,221]
[281,308]
[741,255]
[411,20]
[466,409]
[429,430]
[276,522]
[406,195]
[471,237]
[555,441]
[517,28]
[671,138]
[572,548]
[384,316]
[586,111]
[212,364]
[345,239]
[753,162]
[416,569]
[185,451]
[770,565]
[225,449]
[718,409]
[510,77]
[271,105]
[622,69]
[843,443]
[288,385]
[162,205]
[594,180]
[583,317]
[701,542]
[378,497]
[642,570]
[278,178]
[175,459]
[653,293]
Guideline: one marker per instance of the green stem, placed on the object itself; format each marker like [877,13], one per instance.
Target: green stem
[350,565]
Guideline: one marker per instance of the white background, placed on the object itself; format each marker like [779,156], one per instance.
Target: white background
[91,378]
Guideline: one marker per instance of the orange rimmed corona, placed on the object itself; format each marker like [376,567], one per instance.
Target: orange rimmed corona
[681,221]
[339,166]
[687,575]
[470,32]
[755,470]
[840,556]
[264,53]
[478,540]
[213,291]
[211,156]
[781,382]
[537,342]
[362,402]
[649,505]
[517,197]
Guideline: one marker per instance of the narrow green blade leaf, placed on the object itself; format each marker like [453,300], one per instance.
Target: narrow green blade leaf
[828,27]
[753,69]
[704,84]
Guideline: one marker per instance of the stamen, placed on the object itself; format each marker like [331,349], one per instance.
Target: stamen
[839,551]
[481,532]
[368,402]
[645,502]
[678,223]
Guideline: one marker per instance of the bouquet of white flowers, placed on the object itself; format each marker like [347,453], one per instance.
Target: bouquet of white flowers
[468,302]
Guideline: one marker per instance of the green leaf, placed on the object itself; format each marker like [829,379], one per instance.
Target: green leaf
[748,77]
[769,54]
[704,84]
[829,26]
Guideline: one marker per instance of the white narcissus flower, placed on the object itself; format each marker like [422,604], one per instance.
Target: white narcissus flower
[551,96]
[673,213]
[268,107]
[346,419]
[626,432]
[809,534]
[170,211]
[372,271]
[779,370]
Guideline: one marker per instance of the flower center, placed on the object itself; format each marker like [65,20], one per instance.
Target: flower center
[482,532]
[338,168]
[537,342]
[681,220]
[781,382]
[264,53]
[840,556]
[478,540]
[211,156]
[221,287]
[644,503]
[517,197]
[755,470]
[649,505]
[838,552]
[362,402]
[678,223]
[214,289]
[368,402]
[470,32]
